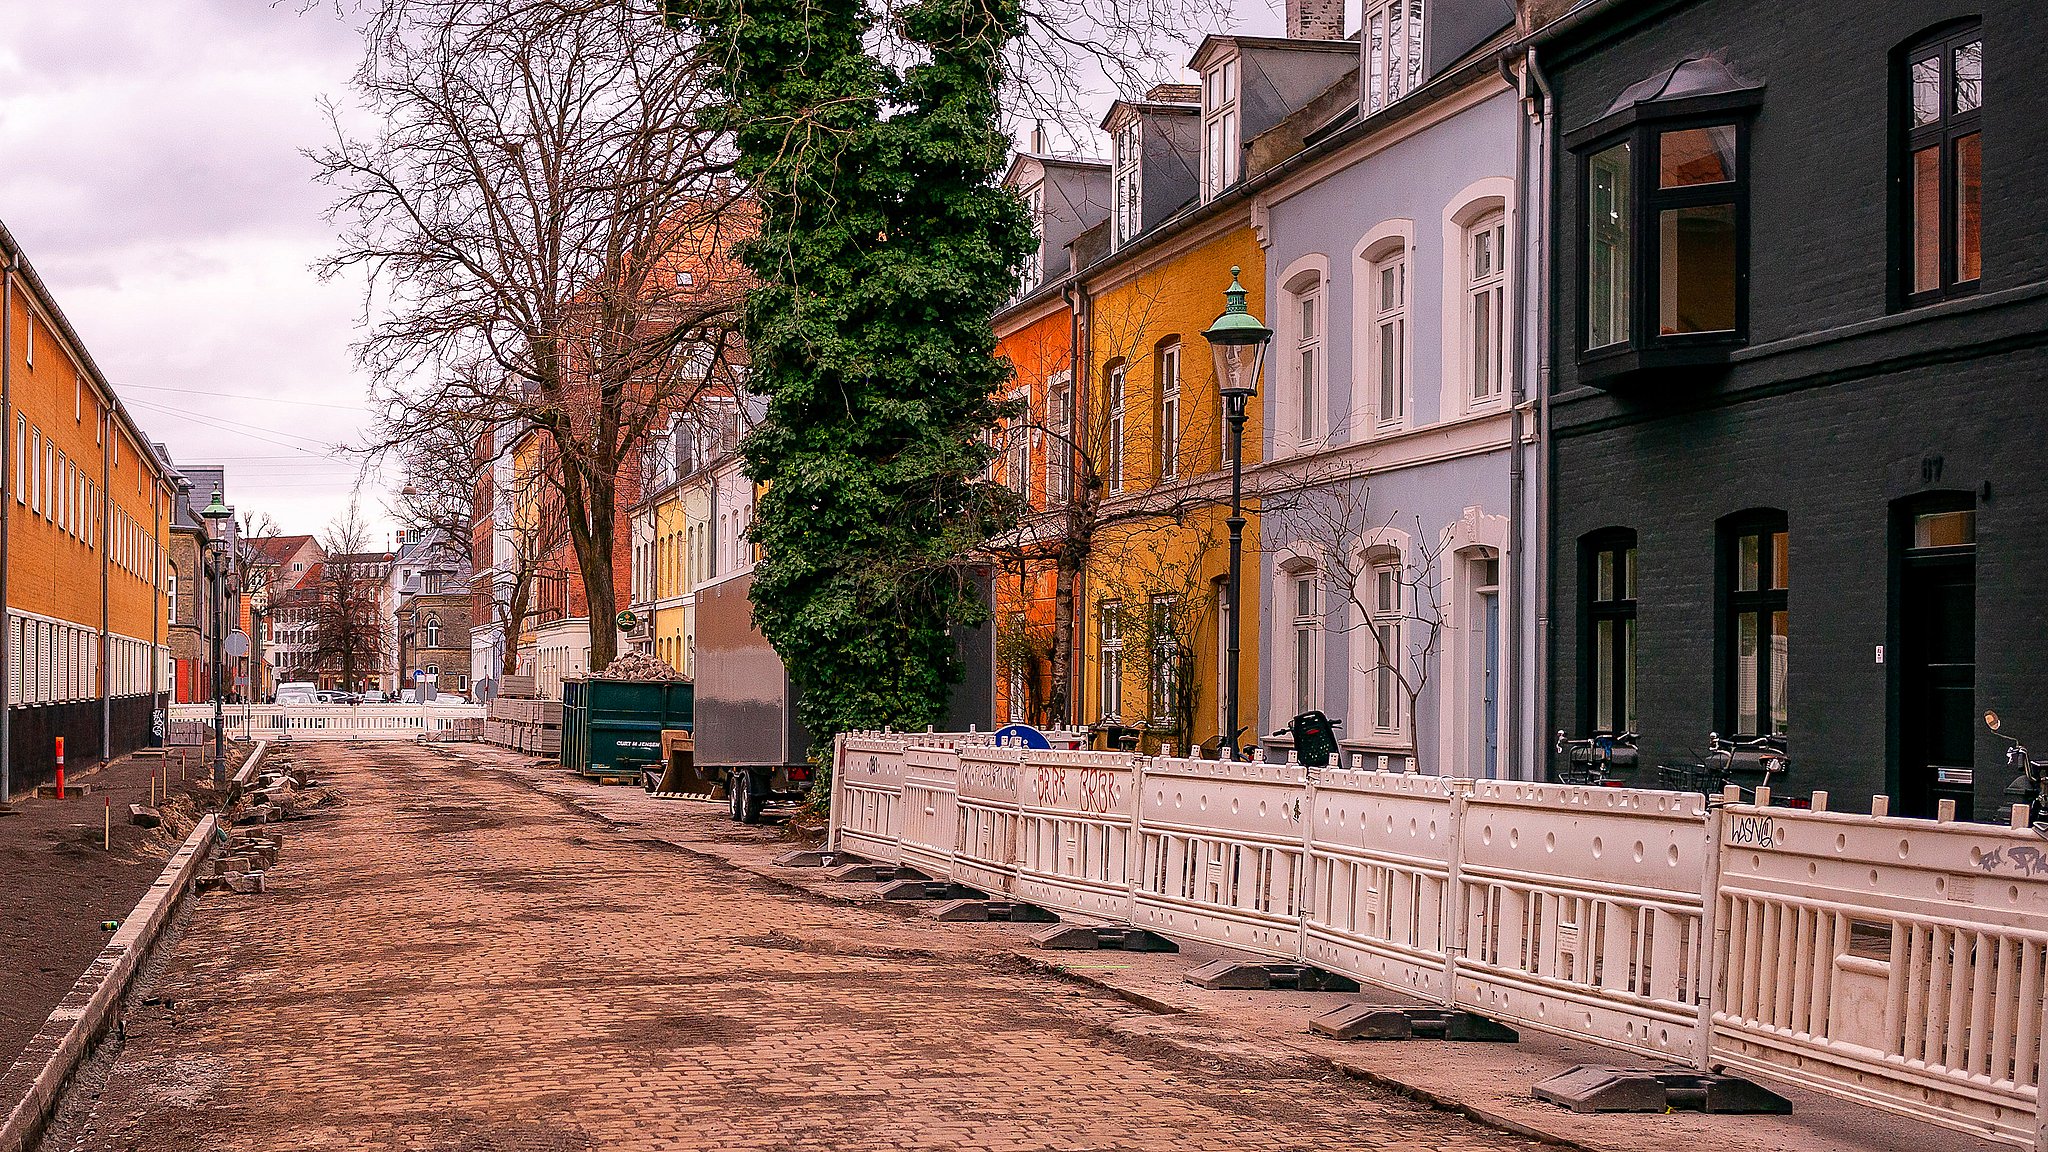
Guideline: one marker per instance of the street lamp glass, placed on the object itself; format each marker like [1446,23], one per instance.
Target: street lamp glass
[1238,342]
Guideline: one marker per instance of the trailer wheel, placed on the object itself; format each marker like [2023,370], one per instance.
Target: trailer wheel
[747,799]
[735,797]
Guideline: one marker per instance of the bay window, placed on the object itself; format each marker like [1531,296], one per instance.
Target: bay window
[1663,231]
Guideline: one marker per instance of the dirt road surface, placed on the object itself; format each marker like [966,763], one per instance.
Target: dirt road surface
[453,962]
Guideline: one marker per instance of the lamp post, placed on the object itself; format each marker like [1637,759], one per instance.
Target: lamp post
[216,514]
[1238,342]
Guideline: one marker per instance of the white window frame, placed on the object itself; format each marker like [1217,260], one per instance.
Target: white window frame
[1059,452]
[1017,452]
[1484,309]
[1113,441]
[1034,261]
[1169,360]
[1387,596]
[1392,31]
[1128,182]
[1109,631]
[1305,649]
[1220,127]
[1482,206]
[1388,246]
[1163,681]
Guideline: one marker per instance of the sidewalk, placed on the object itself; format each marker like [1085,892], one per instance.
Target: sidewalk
[1488,1082]
[58,885]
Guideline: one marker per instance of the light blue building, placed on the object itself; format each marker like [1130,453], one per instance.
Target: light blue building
[1397,536]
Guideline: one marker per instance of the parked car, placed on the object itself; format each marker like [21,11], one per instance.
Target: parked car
[376,696]
[298,693]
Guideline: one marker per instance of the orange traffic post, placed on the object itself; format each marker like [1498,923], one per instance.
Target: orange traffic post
[60,767]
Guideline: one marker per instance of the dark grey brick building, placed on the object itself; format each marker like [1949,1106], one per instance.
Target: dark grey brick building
[1799,304]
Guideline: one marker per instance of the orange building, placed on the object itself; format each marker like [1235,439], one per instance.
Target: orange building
[82,546]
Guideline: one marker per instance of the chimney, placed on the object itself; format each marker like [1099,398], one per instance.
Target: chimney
[1038,138]
[1315,19]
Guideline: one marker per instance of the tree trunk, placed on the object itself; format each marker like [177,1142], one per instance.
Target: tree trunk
[587,498]
[516,608]
[1060,705]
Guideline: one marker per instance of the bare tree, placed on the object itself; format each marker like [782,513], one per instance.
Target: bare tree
[343,604]
[1389,584]
[1111,459]
[1158,573]
[546,231]
[442,469]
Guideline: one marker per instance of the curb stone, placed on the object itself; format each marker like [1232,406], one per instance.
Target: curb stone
[34,1086]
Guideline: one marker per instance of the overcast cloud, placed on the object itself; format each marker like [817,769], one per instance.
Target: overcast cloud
[150,164]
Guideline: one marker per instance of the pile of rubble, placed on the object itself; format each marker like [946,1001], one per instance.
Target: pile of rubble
[638,666]
[251,845]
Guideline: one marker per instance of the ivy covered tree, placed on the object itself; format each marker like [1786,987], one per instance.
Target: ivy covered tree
[886,245]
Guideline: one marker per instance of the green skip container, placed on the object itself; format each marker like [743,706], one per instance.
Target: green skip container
[611,729]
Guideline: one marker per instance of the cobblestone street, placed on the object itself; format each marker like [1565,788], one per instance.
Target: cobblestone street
[456,961]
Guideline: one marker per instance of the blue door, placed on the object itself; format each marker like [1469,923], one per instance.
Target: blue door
[1490,680]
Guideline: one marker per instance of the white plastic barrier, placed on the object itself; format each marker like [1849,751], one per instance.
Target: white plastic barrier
[1900,963]
[1582,912]
[1076,832]
[1381,852]
[1220,853]
[332,721]
[867,796]
[1895,962]
[985,847]
[931,778]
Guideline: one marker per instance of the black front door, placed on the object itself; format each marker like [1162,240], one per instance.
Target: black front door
[1937,616]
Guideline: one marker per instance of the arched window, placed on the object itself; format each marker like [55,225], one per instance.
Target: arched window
[1303,604]
[1382,321]
[1300,369]
[1386,597]
[1166,404]
[1483,307]
[433,630]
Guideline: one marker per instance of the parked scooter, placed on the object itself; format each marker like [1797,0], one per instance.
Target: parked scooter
[2025,787]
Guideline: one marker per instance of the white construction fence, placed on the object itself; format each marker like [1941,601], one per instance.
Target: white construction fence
[339,721]
[1899,963]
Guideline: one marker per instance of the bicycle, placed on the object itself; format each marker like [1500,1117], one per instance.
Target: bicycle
[1592,760]
[1761,760]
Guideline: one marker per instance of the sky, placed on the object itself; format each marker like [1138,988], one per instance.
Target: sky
[151,165]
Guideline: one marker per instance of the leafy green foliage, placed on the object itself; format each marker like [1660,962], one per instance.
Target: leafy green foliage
[886,245]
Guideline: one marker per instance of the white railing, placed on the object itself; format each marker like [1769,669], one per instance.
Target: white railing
[1899,963]
[336,721]
[1897,960]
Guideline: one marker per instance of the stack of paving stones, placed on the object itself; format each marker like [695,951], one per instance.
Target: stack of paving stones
[523,722]
[252,844]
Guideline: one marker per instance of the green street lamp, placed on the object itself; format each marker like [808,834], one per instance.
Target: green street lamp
[217,514]
[1238,342]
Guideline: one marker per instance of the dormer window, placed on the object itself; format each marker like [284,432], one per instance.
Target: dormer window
[1127,219]
[1393,51]
[1034,262]
[1219,128]
[1664,230]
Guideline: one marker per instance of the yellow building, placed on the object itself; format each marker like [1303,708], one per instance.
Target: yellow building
[1154,612]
